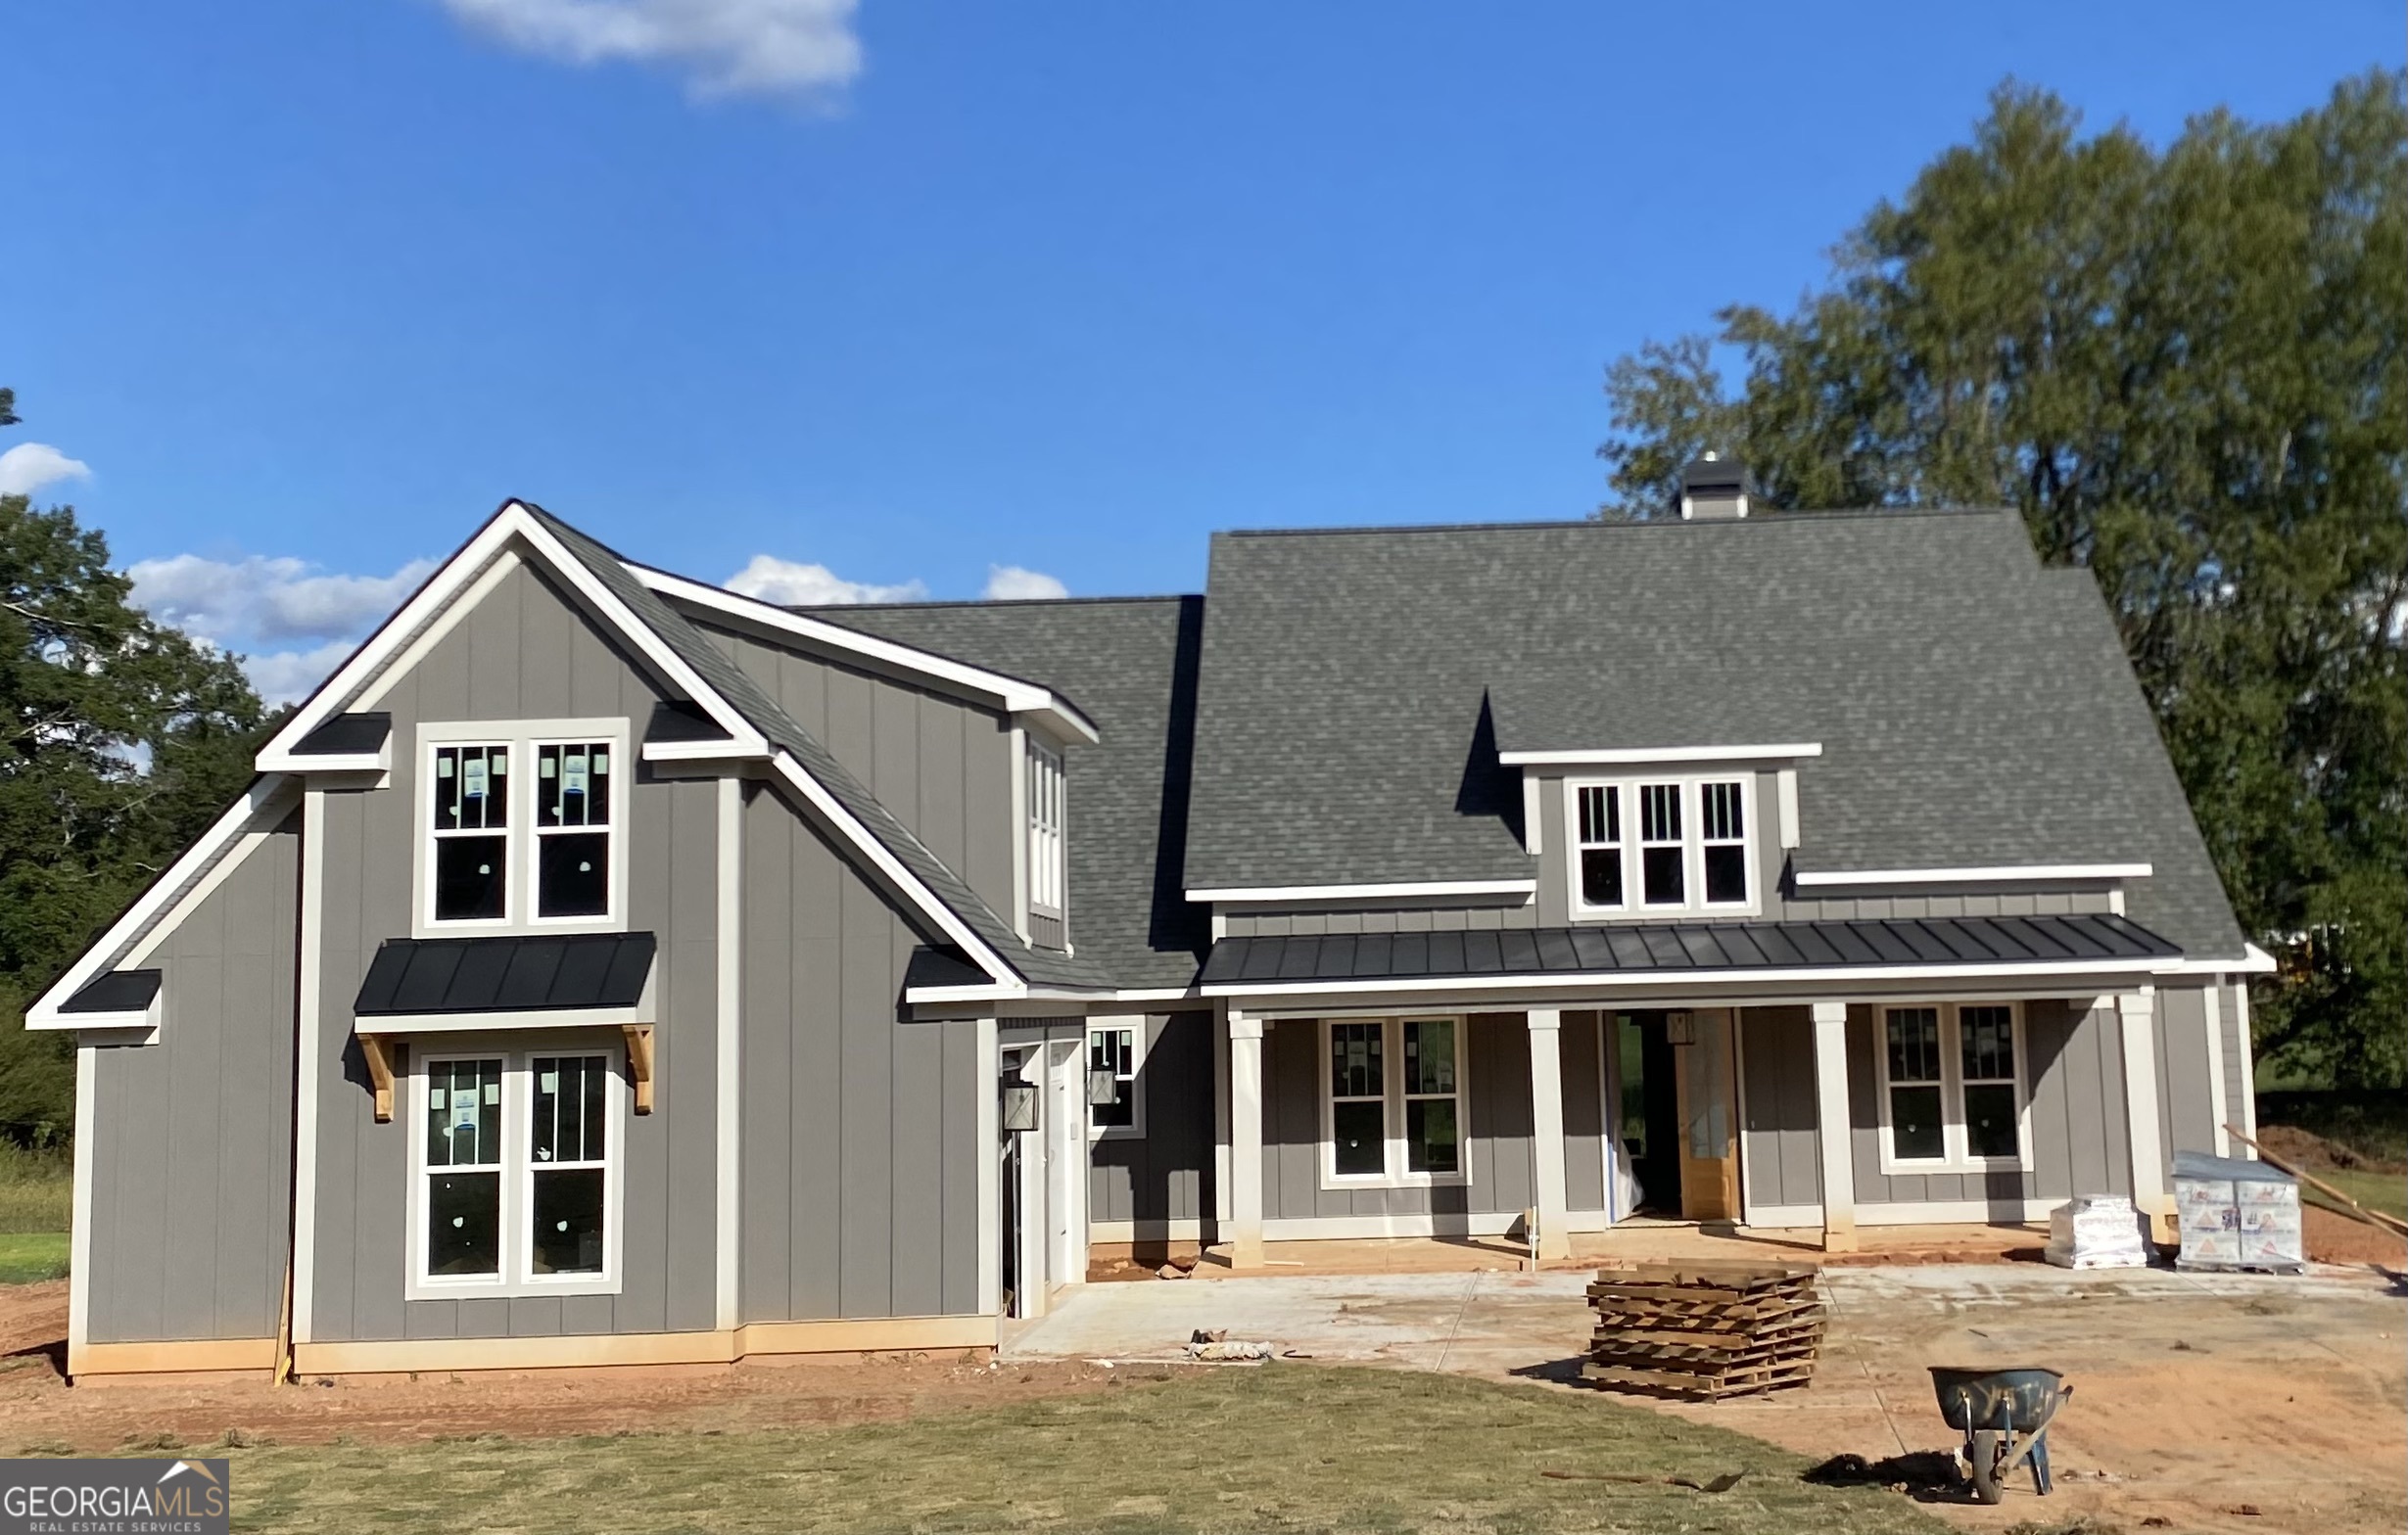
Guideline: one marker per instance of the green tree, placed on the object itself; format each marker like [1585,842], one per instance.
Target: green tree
[119,740]
[2186,368]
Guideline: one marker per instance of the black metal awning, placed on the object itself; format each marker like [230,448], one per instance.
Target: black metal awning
[413,976]
[115,990]
[1673,948]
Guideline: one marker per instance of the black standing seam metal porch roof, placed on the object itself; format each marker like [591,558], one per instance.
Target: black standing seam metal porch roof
[1676,947]
[530,974]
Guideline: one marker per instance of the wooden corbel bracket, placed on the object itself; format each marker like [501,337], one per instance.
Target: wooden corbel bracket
[377,1050]
[639,1062]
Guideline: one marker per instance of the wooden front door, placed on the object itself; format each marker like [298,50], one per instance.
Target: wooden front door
[1708,1114]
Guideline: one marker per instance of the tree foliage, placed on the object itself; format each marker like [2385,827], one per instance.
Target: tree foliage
[2186,368]
[120,741]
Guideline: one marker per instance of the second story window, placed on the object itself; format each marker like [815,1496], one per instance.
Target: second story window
[519,825]
[1659,848]
[1047,868]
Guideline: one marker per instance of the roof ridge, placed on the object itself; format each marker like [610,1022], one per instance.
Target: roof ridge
[1771,518]
[817,609]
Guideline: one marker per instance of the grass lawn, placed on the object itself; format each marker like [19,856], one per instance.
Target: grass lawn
[26,1257]
[1285,1448]
[2385,1191]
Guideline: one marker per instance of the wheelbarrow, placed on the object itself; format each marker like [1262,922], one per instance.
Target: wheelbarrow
[2005,1417]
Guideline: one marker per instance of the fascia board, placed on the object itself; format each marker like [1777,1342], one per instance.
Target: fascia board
[1012,694]
[266,797]
[1787,751]
[1997,874]
[1440,887]
[1612,979]
[527,1018]
[882,858]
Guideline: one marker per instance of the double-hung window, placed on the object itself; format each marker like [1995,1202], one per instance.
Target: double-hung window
[1392,1096]
[1952,1085]
[517,1175]
[1048,870]
[1660,848]
[1116,1052]
[521,826]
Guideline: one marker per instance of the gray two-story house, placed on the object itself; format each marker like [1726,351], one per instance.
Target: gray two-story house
[607,969]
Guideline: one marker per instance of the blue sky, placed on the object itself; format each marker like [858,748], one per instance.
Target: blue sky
[916,292]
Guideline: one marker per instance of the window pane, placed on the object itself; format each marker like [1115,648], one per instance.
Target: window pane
[1356,1070]
[1659,812]
[568,1221]
[1114,1050]
[572,785]
[1361,1130]
[1430,1057]
[1601,877]
[1726,873]
[1915,1043]
[569,1122]
[1660,869]
[1990,1119]
[1914,1124]
[1600,815]
[1726,821]
[573,874]
[463,1113]
[1989,1042]
[463,1223]
[469,881]
[472,787]
[1430,1138]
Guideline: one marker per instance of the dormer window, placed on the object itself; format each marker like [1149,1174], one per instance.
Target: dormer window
[1653,847]
[521,824]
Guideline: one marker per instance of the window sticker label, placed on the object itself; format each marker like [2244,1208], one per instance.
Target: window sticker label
[435,1100]
[493,1093]
[549,1083]
[472,779]
[573,774]
[464,1113]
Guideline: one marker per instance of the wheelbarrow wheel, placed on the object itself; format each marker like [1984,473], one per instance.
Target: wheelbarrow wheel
[1987,1450]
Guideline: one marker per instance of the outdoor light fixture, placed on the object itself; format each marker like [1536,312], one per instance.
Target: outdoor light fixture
[1681,1027]
[1020,1107]
[1103,1086]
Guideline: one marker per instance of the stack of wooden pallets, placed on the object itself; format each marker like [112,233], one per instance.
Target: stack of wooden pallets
[1703,1331]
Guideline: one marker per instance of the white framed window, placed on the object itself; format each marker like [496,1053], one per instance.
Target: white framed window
[1119,1050]
[1952,1093]
[1662,847]
[1392,1101]
[516,1171]
[522,826]
[1048,881]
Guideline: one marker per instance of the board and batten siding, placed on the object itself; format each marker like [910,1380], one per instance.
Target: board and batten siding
[1580,1059]
[191,1151]
[943,765]
[2187,1117]
[1497,1106]
[2075,1079]
[1164,1174]
[525,652]
[860,1155]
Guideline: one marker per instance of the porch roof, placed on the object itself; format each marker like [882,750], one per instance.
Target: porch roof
[1675,947]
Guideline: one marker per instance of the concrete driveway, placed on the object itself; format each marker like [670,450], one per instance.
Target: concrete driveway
[2217,1402]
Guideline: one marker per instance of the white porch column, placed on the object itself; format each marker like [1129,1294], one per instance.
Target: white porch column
[1244,1140]
[1546,1096]
[1833,1136]
[2138,1012]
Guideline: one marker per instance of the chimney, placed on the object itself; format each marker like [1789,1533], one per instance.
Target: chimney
[1712,489]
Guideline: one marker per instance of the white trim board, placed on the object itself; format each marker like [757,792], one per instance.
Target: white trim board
[1637,756]
[1435,887]
[1938,1212]
[1837,975]
[190,878]
[2000,873]
[1015,695]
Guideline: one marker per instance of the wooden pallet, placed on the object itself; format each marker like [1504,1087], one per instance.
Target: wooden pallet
[1704,1331]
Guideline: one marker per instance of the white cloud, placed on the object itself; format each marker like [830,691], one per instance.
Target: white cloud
[794,585]
[261,600]
[288,676]
[1011,583]
[30,466]
[723,47]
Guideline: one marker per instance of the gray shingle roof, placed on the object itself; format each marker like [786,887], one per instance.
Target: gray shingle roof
[1973,709]
[1129,664]
[1600,948]
[765,714]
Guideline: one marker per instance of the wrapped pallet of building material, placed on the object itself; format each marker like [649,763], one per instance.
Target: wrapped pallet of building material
[2097,1231]
[2235,1214]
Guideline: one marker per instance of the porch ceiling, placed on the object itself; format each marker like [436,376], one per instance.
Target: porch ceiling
[1677,947]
